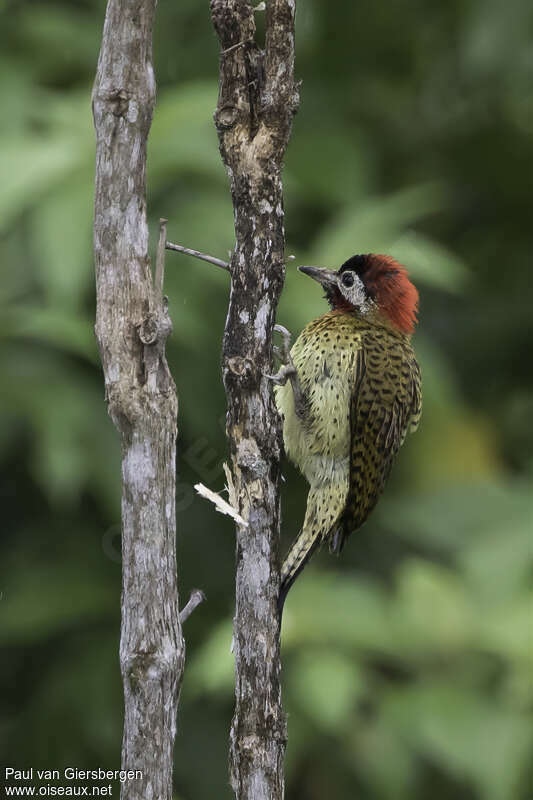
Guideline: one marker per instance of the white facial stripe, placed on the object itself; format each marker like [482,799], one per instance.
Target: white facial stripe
[356,293]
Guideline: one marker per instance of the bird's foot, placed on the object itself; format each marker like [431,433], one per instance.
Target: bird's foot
[288,371]
[282,375]
[283,352]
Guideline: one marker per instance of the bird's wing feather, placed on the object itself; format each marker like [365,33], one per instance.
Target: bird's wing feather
[385,404]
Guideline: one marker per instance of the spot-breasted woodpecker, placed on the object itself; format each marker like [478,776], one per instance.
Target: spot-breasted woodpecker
[349,391]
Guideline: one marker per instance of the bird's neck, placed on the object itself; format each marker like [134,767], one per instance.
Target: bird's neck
[373,317]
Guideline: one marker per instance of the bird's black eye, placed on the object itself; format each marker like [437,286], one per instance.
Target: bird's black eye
[347,279]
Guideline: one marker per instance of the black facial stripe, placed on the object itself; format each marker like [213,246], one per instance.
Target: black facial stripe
[359,264]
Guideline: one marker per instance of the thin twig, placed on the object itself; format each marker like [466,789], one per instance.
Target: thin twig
[239,44]
[196,597]
[188,251]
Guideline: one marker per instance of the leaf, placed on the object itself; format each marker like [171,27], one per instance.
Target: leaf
[430,262]
[44,599]
[372,745]
[30,166]
[60,38]
[52,326]
[211,669]
[432,612]
[60,238]
[67,419]
[371,226]
[469,736]
[461,517]
[383,225]
[187,108]
[505,629]
[343,172]
[328,608]
[326,685]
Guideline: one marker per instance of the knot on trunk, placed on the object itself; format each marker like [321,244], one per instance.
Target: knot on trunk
[242,368]
[141,667]
[149,329]
[119,100]
[226,117]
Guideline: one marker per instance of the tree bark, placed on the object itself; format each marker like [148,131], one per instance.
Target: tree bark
[257,99]
[132,325]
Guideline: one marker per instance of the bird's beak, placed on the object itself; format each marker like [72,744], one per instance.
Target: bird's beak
[326,277]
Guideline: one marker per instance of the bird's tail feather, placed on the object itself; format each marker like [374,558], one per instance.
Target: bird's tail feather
[297,557]
[324,508]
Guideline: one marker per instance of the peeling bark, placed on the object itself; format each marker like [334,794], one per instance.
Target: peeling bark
[257,99]
[132,324]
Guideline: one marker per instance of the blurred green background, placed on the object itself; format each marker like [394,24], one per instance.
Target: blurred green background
[407,664]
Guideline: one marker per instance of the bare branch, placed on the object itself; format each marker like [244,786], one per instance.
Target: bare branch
[196,597]
[188,251]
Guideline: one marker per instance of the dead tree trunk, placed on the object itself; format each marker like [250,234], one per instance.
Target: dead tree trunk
[257,99]
[132,325]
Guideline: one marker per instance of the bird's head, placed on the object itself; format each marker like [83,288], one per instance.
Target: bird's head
[370,284]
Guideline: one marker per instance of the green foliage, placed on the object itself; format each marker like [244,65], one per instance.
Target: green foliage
[408,662]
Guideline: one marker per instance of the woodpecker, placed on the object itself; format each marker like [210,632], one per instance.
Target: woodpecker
[348,392]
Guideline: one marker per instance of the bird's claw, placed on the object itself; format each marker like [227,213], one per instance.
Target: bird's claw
[281,377]
[283,353]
